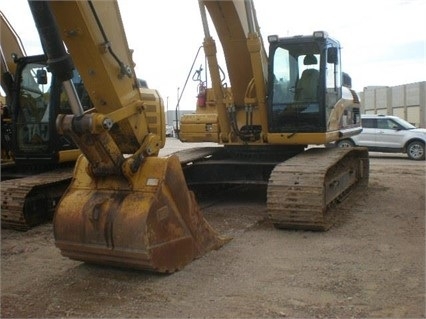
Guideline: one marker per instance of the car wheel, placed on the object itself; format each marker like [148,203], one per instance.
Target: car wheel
[416,150]
[345,143]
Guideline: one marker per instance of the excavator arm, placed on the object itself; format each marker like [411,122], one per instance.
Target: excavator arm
[239,33]
[125,206]
[11,46]
[236,25]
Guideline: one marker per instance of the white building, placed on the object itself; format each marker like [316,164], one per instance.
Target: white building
[407,101]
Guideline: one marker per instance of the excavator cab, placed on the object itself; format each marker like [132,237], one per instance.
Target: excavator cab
[37,93]
[41,160]
[307,84]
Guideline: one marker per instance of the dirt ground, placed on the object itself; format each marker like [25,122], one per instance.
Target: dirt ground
[370,264]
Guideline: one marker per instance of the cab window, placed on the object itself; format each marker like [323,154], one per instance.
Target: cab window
[368,123]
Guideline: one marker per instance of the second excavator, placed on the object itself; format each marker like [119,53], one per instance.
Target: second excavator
[36,160]
[277,108]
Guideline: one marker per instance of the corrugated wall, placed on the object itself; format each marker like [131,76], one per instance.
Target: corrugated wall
[407,101]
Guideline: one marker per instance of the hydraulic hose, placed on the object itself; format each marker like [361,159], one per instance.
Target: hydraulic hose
[58,59]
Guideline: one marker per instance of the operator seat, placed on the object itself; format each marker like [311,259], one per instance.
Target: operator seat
[307,86]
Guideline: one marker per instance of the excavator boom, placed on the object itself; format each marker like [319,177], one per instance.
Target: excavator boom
[11,48]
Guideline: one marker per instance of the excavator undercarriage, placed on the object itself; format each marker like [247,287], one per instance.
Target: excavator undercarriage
[232,165]
[302,186]
[31,200]
[302,189]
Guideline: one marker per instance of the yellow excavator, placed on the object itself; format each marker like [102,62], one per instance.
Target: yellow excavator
[276,108]
[126,206]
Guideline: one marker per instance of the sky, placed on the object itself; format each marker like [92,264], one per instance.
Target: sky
[383,41]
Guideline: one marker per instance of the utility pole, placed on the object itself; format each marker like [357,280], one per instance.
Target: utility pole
[167,110]
[177,113]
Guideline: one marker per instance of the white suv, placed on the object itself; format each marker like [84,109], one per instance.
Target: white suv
[391,134]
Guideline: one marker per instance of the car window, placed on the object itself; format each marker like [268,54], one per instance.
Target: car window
[386,124]
[368,123]
[403,124]
[382,123]
[393,125]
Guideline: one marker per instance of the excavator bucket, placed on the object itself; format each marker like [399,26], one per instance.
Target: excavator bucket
[151,223]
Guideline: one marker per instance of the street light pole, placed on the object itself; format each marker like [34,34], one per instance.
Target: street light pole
[177,112]
[167,110]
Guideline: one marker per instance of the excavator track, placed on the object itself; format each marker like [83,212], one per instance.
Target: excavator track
[30,201]
[302,189]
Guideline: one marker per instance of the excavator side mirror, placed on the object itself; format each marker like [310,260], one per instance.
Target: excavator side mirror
[347,80]
[41,76]
[332,55]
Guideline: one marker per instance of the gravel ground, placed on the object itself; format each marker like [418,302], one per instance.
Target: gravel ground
[370,264]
